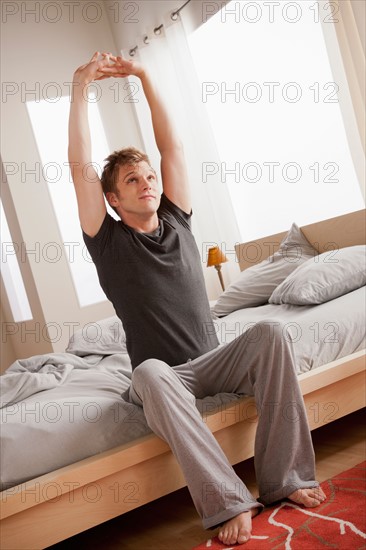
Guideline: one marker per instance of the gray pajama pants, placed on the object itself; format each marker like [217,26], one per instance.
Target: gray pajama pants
[260,362]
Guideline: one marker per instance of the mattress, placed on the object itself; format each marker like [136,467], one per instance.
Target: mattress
[60,408]
[320,333]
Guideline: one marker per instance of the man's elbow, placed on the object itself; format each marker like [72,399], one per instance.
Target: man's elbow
[174,146]
[71,155]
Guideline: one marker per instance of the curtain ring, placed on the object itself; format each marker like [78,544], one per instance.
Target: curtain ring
[175,14]
[133,51]
[157,30]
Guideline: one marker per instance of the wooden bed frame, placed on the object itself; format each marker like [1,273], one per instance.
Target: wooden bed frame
[55,506]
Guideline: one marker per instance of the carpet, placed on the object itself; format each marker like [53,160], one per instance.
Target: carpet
[339,523]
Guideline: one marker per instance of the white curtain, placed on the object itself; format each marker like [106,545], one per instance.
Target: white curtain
[345,39]
[168,57]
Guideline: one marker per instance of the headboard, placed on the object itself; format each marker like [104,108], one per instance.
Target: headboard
[334,233]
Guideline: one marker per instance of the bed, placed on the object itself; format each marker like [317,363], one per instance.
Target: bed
[40,510]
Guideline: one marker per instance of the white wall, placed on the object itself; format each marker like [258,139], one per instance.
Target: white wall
[7,351]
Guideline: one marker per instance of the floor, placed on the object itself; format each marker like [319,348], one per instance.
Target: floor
[171,523]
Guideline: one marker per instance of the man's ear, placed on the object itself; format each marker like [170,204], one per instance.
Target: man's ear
[112,198]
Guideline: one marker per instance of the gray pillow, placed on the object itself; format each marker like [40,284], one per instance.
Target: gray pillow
[104,337]
[324,278]
[256,284]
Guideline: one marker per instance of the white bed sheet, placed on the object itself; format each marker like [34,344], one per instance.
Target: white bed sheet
[60,408]
[320,333]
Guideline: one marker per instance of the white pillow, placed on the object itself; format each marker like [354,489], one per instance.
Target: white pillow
[104,337]
[256,284]
[324,278]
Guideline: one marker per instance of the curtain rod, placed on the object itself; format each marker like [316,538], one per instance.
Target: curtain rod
[173,16]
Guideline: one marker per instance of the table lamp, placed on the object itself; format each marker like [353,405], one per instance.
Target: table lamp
[215,258]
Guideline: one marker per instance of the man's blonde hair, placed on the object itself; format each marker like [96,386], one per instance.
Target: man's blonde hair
[124,157]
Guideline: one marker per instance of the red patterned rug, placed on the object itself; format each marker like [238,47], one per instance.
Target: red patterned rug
[339,523]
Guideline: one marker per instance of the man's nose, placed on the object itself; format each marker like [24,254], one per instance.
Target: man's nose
[146,183]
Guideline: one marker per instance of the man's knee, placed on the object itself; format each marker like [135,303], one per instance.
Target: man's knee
[267,332]
[148,373]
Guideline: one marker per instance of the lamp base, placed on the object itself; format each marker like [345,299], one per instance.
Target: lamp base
[218,269]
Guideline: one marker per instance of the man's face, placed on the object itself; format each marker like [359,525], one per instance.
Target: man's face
[138,191]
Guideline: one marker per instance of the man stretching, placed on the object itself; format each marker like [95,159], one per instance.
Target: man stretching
[149,268]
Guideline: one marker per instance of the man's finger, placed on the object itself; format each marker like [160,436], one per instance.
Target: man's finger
[94,57]
[110,70]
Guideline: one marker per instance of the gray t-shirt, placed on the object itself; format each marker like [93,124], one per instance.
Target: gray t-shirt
[155,283]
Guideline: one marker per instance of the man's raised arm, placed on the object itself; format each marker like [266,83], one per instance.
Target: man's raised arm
[87,184]
[173,166]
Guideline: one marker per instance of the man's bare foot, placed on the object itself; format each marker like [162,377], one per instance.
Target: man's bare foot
[238,529]
[308,497]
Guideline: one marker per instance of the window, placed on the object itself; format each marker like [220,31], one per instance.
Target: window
[267,85]
[12,277]
[50,125]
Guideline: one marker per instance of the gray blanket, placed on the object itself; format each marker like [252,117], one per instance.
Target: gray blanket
[60,408]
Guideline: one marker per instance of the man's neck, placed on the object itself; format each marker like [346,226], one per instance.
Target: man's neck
[140,223]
